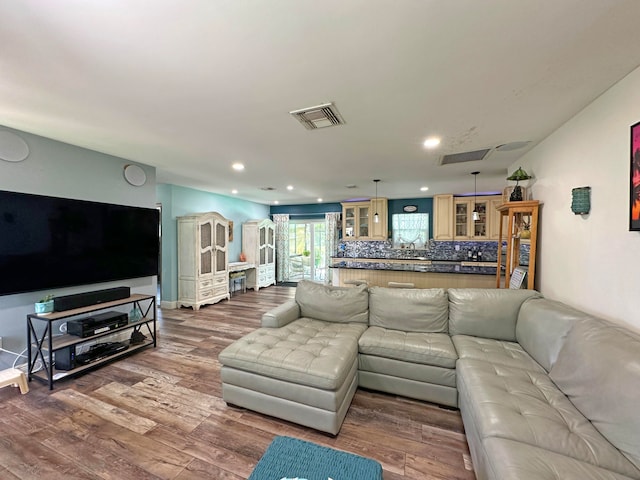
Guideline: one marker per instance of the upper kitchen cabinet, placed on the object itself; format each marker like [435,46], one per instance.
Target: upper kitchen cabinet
[443,217]
[358,220]
[379,229]
[453,217]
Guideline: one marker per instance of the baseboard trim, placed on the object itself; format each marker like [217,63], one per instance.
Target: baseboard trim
[168,305]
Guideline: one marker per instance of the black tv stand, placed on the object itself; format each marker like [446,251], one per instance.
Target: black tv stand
[42,344]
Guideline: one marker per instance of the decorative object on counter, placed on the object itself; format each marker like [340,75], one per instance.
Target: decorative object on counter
[475,215]
[45,304]
[243,257]
[581,200]
[518,176]
[376,217]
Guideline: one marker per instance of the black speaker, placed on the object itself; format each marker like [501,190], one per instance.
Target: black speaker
[79,300]
[66,358]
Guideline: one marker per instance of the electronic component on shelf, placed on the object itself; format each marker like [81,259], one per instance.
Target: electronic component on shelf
[100,351]
[96,324]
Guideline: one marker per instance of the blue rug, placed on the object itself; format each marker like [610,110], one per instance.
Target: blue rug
[289,457]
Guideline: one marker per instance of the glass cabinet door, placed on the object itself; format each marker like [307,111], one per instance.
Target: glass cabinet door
[363,221]
[480,226]
[349,222]
[462,219]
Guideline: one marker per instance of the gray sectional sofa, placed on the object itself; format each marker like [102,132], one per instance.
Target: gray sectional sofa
[545,391]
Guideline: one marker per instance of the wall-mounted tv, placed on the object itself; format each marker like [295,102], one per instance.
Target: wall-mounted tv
[49,242]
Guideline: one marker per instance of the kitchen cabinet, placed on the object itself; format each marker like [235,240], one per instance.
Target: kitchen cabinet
[203,261]
[358,222]
[443,217]
[379,230]
[465,227]
[453,219]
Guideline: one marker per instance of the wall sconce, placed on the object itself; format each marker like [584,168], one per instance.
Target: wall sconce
[581,200]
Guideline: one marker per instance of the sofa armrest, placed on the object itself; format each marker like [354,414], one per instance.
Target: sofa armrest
[281,315]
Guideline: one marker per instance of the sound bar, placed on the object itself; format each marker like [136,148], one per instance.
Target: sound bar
[78,300]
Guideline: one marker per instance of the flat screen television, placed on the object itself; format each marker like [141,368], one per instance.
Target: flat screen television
[48,242]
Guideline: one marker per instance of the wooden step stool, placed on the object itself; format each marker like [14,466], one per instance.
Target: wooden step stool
[14,377]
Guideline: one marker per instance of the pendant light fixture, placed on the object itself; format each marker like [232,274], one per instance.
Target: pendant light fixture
[376,217]
[475,215]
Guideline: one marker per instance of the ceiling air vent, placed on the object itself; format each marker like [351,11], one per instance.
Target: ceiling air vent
[320,116]
[464,157]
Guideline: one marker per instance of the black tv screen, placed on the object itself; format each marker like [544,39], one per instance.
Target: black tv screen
[49,242]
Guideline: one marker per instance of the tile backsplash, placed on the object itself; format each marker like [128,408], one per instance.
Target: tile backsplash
[434,250]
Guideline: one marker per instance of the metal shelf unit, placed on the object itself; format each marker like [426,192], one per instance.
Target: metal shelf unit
[42,344]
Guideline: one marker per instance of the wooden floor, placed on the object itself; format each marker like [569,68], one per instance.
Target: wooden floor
[159,414]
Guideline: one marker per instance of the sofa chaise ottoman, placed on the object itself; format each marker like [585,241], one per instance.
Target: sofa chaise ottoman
[302,364]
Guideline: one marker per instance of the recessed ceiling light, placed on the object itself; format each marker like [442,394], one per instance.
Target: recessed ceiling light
[424,189]
[234,191]
[431,142]
[319,200]
[289,187]
[238,167]
[276,202]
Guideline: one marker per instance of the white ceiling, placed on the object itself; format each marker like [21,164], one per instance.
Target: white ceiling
[191,86]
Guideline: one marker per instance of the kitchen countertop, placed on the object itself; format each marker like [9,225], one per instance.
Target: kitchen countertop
[434,267]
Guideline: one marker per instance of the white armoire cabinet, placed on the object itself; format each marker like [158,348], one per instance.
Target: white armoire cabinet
[259,247]
[203,260]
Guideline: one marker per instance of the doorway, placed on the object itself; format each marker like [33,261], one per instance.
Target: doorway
[307,252]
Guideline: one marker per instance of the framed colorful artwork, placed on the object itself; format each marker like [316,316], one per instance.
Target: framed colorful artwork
[634,179]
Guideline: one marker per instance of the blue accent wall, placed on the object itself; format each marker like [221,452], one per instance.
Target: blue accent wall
[306,211]
[425,205]
[177,201]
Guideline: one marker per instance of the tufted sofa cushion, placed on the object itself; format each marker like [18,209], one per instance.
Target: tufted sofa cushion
[306,351]
[508,459]
[527,407]
[333,304]
[494,351]
[424,348]
[598,368]
[543,326]
[487,313]
[410,310]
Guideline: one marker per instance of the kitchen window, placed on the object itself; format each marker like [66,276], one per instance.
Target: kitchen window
[410,230]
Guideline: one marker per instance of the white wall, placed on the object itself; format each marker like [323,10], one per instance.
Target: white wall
[591,262]
[61,170]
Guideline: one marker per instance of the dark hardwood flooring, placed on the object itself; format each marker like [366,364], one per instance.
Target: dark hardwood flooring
[159,414]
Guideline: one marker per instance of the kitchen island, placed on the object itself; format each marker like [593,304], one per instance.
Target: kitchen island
[423,274]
